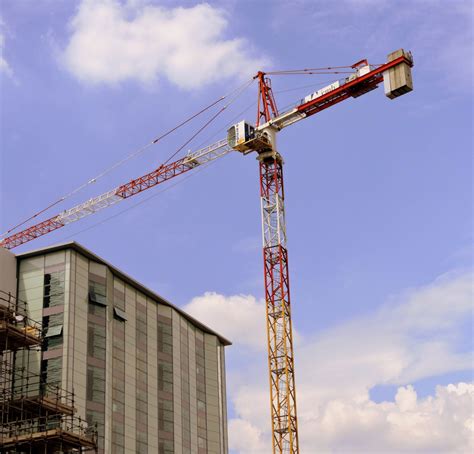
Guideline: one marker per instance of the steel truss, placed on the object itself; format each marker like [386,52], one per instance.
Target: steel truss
[278,307]
[160,175]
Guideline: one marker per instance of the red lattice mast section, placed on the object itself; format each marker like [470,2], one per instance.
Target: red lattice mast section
[277,289]
[266,108]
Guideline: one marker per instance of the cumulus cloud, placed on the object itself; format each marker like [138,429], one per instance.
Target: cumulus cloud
[112,42]
[413,336]
[241,318]
[242,435]
[437,424]
[4,66]
[441,423]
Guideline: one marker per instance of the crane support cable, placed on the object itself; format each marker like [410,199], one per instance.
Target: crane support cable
[289,71]
[312,73]
[238,92]
[228,124]
[163,173]
[114,166]
[126,159]
[140,202]
[157,176]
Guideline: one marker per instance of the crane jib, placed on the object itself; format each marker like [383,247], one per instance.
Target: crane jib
[163,173]
[372,78]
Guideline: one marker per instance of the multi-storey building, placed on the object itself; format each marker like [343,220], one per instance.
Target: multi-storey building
[151,377]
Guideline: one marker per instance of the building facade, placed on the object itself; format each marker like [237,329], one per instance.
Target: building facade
[150,376]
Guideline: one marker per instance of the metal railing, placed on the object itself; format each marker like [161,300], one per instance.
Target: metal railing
[18,383]
[55,425]
[14,313]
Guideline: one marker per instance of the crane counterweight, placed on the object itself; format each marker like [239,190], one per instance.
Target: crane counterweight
[398,81]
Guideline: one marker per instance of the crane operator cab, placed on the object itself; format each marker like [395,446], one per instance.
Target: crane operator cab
[244,138]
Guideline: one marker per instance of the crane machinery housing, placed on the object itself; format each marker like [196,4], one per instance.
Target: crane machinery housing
[260,138]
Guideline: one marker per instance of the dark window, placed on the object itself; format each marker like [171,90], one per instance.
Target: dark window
[53,294]
[96,384]
[142,377]
[118,379]
[96,341]
[96,348]
[97,293]
[97,299]
[165,447]
[165,385]
[54,331]
[51,371]
[120,314]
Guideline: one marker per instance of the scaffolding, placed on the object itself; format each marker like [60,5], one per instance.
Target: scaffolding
[36,417]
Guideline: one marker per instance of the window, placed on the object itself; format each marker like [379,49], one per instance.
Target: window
[185,387]
[52,320]
[97,298]
[119,294]
[165,376]
[165,415]
[165,343]
[53,328]
[53,294]
[120,314]
[51,370]
[165,383]
[141,375]
[54,331]
[96,341]
[165,447]
[96,384]
[93,418]
[97,293]
[118,371]
[96,348]
[201,391]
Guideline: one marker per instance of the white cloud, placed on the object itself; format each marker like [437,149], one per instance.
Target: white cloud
[112,42]
[437,424]
[4,66]
[413,336]
[243,434]
[240,318]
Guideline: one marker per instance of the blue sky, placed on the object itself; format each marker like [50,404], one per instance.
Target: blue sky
[378,192]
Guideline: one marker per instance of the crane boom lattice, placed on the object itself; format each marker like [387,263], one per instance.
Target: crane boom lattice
[161,174]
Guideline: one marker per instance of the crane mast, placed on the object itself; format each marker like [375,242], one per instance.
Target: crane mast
[261,138]
[276,281]
[278,305]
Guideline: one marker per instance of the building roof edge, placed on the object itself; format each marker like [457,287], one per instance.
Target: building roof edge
[119,273]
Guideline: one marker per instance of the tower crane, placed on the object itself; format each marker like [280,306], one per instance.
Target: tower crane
[261,139]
